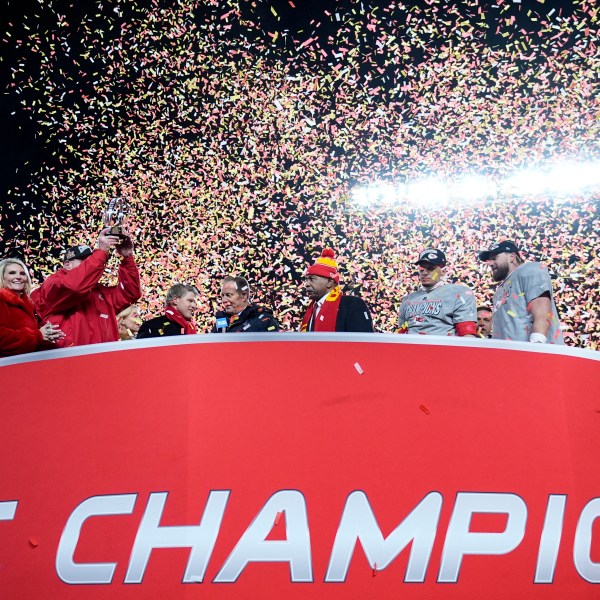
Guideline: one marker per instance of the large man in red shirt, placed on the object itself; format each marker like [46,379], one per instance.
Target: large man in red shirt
[75,301]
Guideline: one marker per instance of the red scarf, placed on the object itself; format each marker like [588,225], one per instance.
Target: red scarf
[173,314]
[327,317]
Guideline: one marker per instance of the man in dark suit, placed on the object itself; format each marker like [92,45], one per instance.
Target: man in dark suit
[239,314]
[329,308]
[180,306]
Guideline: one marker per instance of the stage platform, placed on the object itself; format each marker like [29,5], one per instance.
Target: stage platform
[301,466]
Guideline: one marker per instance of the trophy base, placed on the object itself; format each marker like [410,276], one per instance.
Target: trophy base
[118,232]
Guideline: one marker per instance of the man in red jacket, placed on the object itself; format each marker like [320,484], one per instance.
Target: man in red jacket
[73,298]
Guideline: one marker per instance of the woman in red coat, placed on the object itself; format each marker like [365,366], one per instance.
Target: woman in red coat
[19,330]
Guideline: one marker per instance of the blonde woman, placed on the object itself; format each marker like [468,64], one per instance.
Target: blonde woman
[129,322]
[19,330]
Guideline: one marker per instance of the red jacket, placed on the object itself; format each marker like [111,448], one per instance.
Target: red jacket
[19,330]
[85,310]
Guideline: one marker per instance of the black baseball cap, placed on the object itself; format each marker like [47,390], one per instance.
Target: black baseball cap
[498,248]
[77,253]
[432,256]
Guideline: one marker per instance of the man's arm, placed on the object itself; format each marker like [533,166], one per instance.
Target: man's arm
[402,320]
[465,313]
[537,289]
[540,309]
[466,329]
[63,290]
[128,289]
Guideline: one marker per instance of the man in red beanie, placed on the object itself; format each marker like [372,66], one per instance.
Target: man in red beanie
[329,308]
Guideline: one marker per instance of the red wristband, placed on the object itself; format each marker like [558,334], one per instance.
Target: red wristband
[466,328]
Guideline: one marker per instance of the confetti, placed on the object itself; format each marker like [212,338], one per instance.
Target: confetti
[237,132]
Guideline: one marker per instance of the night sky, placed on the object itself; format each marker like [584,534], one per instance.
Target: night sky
[239,130]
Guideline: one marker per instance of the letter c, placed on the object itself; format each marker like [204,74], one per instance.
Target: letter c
[66,568]
[589,570]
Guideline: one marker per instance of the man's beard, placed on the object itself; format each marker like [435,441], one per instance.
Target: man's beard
[500,273]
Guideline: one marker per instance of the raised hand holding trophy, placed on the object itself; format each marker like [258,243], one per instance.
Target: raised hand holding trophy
[114,218]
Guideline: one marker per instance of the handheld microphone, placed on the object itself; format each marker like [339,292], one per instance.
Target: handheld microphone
[222,321]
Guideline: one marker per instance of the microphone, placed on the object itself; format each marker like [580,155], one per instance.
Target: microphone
[222,321]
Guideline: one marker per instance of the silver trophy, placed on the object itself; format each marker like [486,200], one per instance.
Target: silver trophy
[114,218]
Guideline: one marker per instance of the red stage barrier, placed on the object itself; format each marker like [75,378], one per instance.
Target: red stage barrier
[301,466]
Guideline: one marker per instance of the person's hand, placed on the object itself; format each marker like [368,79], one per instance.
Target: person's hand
[105,241]
[51,333]
[125,247]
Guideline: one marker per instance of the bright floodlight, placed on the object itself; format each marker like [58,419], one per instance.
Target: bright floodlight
[563,179]
[431,192]
[360,196]
[572,177]
[387,193]
[378,193]
[474,187]
[558,180]
[525,183]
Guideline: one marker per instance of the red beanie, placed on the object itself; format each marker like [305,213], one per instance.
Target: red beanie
[325,266]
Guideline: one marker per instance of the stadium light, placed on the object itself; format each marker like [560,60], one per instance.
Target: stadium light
[572,177]
[430,192]
[474,187]
[566,178]
[377,193]
[525,183]
[360,196]
[558,180]
[387,193]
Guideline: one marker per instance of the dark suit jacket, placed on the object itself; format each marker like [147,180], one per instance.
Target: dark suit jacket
[353,315]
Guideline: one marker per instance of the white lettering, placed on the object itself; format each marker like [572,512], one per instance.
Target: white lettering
[200,538]
[252,546]
[66,568]
[461,541]
[416,533]
[582,546]
[550,540]
[358,523]
[8,510]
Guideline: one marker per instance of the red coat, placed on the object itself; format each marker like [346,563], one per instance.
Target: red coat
[85,310]
[19,330]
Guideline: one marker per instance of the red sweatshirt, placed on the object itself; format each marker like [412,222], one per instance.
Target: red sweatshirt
[85,310]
